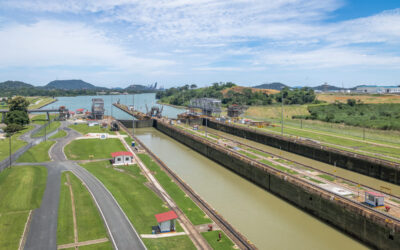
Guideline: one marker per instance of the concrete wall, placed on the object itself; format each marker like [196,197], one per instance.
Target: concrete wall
[138,123]
[372,228]
[370,166]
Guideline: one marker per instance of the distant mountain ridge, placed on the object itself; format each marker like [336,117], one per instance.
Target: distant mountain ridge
[14,85]
[273,85]
[70,85]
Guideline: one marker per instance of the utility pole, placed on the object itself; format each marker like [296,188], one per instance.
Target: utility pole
[282,116]
[133,112]
[45,131]
[9,138]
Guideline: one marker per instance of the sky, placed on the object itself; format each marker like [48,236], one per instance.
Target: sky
[175,42]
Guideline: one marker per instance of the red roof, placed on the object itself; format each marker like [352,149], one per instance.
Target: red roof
[121,153]
[80,110]
[375,194]
[170,215]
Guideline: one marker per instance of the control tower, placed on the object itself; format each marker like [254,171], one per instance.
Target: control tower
[97,108]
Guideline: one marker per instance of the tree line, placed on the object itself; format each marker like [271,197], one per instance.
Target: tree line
[182,95]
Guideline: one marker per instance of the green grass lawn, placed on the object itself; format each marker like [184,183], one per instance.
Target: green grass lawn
[138,201]
[42,101]
[65,226]
[101,246]
[21,190]
[279,167]
[177,242]
[49,128]
[251,156]
[83,128]
[100,149]
[327,177]
[37,153]
[42,118]
[212,238]
[192,211]
[90,225]
[61,133]
[16,143]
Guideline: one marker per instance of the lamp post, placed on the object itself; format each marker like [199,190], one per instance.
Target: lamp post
[133,112]
[9,139]
[282,117]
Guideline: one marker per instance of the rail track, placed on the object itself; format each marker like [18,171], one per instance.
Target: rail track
[241,241]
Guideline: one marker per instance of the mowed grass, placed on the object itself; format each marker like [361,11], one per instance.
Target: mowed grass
[37,153]
[177,242]
[138,201]
[42,118]
[48,129]
[61,133]
[16,143]
[21,190]
[192,211]
[65,226]
[39,102]
[84,129]
[100,246]
[89,224]
[213,239]
[100,149]
[275,111]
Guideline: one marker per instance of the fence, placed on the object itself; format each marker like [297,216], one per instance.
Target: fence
[389,136]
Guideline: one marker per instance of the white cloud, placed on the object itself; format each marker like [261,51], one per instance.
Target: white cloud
[54,43]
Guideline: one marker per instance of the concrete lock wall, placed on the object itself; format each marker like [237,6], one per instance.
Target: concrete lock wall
[370,227]
[138,123]
[366,165]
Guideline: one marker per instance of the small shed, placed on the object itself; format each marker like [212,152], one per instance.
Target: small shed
[122,158]
[80,111]
[374,199]
[166,221]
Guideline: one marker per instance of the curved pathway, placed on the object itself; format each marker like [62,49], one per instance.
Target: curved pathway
[43,228]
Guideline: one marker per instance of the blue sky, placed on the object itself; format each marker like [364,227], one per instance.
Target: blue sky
[175,42]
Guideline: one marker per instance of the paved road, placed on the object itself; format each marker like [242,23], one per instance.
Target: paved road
[122,232]
[42,232]
[43,228]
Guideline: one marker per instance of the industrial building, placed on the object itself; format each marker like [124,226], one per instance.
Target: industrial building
[374,89]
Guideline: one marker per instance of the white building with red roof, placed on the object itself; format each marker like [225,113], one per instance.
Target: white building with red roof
[166,221]
[122,158]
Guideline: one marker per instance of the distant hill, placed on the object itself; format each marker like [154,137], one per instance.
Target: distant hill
[327,87]
[138,87]
[14,85]
[273,85]
[69,85]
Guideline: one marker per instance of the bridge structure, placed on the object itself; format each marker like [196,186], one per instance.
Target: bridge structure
[60,110]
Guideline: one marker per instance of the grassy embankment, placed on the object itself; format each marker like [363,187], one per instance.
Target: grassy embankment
[84,129]
[16,143]
[61,133]
[21,190]
[48,129]
[89,223]
[37,153]
[38,102]
[192,211]
[212,238]
[138,201]
[98,148]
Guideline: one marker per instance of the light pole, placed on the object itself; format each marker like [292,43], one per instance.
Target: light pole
[9,138]
[133,112]
[282,117]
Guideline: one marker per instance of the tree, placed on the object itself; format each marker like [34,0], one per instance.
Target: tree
[193,86]
[351,102]
[17,117]
[18,103]
[12,128]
